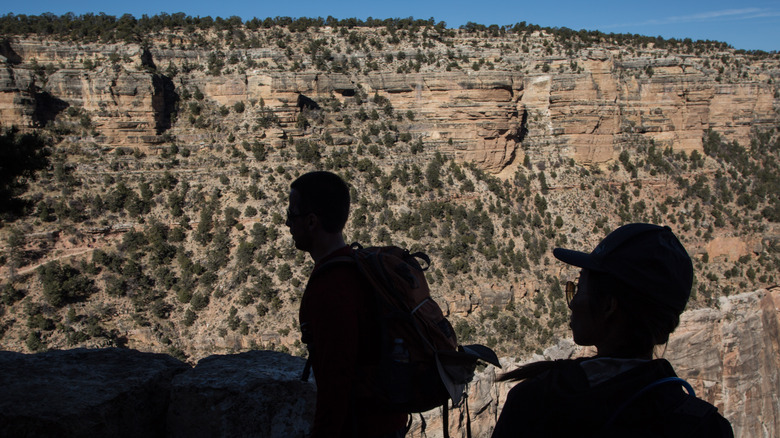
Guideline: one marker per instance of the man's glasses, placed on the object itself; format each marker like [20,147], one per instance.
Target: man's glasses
[571,291]
[291,215]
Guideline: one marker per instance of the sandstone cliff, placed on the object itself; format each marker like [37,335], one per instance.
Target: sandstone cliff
[586,104]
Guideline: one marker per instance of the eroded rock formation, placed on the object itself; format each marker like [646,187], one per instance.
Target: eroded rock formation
[587,106]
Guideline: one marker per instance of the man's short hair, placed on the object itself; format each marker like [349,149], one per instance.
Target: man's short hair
[326,195]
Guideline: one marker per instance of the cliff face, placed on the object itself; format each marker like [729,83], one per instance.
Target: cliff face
[588,106]
[592,113]
[731,356]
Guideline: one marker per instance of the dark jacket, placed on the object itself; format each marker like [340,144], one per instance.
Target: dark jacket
[560,402]
[337,324]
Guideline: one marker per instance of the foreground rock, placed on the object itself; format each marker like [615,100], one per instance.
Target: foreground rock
[77,393]
[253,394]
[126,393]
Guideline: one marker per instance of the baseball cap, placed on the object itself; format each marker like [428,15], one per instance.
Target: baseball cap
[648,258]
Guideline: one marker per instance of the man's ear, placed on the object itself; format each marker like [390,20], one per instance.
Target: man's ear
[610,307]
[312,221]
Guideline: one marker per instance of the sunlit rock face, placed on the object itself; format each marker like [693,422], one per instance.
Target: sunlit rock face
[588,106]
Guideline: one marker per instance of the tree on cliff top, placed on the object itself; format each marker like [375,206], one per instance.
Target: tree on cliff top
[21,155]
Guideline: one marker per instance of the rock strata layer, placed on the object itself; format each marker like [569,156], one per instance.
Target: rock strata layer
[588,107]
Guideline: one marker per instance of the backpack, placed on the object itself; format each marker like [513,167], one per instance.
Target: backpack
[658,407]
[692,417]
[421,365]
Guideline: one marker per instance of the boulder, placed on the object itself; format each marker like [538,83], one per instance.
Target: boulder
[127,393]
[252,394]
[77,393]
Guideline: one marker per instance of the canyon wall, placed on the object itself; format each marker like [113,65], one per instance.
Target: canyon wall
[485,101]
[587,106]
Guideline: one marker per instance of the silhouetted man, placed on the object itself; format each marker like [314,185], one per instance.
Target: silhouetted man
[336,323]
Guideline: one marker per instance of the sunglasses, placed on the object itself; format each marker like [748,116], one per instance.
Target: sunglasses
[571,291]
[291,215]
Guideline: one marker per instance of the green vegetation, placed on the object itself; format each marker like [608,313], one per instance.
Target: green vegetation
[64,284]
[127,28]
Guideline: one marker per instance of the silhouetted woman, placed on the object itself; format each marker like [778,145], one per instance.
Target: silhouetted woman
[630,294]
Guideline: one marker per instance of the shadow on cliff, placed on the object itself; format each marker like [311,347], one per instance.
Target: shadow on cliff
[517,136]
[165,98]
[46,108]
[9,53]
[164,102]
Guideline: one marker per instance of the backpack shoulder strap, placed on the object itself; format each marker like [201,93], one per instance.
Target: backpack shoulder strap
[332,262]
[663,381]
[695,407]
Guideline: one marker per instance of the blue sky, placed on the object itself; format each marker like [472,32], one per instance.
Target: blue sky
[751,25]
